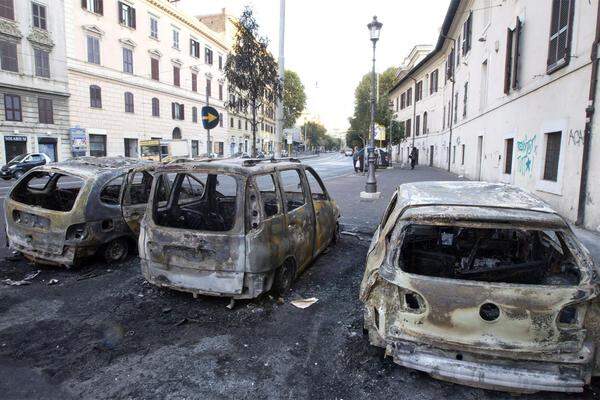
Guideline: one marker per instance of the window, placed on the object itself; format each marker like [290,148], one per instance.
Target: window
[45,111]
[177,111]
[221,120]
[42,63]
[424,122]
[176,39]
[131,148]
[402,101]
[553,140]
[417,125]
[450,66]
[12,108]
[511,62]
[418,91]
[95,96]
[231,122]
[462,162]
[97,145]
[433,82]
[155,107]
[408,127]
[153,28]
[444,119]
[457,53]
[39,15]
[93,50]
[126,15]
[195,148]
[7,9]
[194,82]
[111,191]
[561,26]
[194,114]
[467,34]
[508,155]
[449,115]
[292,187]
[176,76]
[465,98]
[208,87]
[154,71]
[269,196]
[208,56]
[220,92]
[455,107]
[220,62]
[454,155]
[240,123]
[127,60]
[8,56]
[128,102]
[409,97]
[194,48]
[94,6]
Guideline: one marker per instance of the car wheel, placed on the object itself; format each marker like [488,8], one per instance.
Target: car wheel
[116,250]
[284,277]
[18,174]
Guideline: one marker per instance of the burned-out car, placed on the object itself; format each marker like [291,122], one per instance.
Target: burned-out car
[485,285]
[233,228]
[63,212]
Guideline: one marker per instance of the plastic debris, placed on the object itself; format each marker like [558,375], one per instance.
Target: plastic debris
[304,303]
[24,281]
[52,281]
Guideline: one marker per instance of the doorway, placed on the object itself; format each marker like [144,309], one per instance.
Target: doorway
[131,148]
[49,147]
[479,157]
[431,156]
[14,146]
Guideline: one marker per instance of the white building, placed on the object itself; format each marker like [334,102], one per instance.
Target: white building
[33,79]
[503,97]
[142,69]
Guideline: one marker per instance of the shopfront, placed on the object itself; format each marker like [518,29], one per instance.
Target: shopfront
[14,145]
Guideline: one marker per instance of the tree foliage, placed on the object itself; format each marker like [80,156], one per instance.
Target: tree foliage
[251,72]
[316,136]
[360,122]
[294,98]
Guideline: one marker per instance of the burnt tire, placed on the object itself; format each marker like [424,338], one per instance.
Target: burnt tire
[284,277]
[116,250]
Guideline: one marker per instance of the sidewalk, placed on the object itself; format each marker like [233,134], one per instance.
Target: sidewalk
[362,216]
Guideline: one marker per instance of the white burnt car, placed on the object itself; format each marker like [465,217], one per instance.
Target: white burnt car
[485,285]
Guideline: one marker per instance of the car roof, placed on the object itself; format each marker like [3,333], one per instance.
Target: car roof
[242,166]
[468,193]
[92,166]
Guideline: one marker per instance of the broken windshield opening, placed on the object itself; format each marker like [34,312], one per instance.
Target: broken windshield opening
[52,191]
[486,254]
[197,201]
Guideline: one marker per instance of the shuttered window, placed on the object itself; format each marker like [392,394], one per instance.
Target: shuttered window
[194,82]
[552,156]
[42,63]
[7,9]
[409,97]
[154,69]
[93,50]
[95,6]
[561,27]
[127,60]
[467,34]
[408,127]
[129,108]
[450,66]
[425,129]
[465,99]
[508,158]
[417,125]
[45,111]
[8,56]
[402,101]
[194,48]
[433,82]
[126,15]
[95,96]
[155,107]
[511,62]
[419,91]
[176,76]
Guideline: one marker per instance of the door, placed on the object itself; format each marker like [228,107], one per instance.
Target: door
[48,147]
[431,156]
[134,197]
[479,157]
[14,146]
[300,217]
[324,211]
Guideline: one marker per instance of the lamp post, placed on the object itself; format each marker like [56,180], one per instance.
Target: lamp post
[371,185]
[208,76]
[450,111]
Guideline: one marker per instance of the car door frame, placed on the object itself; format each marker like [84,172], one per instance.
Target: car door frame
[329,221]
[133,214]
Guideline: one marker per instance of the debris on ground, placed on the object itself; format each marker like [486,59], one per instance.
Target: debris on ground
[14,256]
[185,320]
[304,303]
[231,304]
[52,282]
[24,281]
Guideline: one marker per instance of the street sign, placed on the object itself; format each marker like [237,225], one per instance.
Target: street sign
[379,132]
[210,117]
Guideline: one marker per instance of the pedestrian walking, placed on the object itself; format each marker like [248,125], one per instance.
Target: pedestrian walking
[355,160]
[414,154]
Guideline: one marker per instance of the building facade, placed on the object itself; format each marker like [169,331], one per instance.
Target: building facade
[34,95]
[504,97]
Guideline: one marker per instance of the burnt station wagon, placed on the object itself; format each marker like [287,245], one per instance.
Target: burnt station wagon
[61,213]
[485,285]
[234,228]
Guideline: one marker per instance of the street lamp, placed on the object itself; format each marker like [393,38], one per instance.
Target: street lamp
[371,185]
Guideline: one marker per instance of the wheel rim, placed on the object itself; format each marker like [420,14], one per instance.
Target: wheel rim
[116,250]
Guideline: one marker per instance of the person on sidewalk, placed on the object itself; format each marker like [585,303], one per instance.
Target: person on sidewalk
[413,157]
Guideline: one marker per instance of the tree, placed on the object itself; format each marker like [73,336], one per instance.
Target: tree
[360,122]
[251,72]
[316,136]
[294,98]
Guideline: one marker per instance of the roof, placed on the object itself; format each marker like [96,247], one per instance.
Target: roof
[244,166]
[91,166]
[466,193]
[450,14]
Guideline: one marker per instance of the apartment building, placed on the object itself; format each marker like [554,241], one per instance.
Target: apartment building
[504,97]
[33,79]
[142,69]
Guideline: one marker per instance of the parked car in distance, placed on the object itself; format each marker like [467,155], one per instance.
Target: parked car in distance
[60,213]
[231,227]
[482,284]
[348,152]
[382,158]
[16,167]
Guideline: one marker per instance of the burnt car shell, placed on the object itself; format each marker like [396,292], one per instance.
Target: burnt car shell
[45,232]
[224,239]
[477,319]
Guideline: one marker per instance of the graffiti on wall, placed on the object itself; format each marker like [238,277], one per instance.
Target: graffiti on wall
[575,137]
[526,151]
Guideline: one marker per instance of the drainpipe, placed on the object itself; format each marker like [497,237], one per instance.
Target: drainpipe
[414,120]
[589,119]
[451,111]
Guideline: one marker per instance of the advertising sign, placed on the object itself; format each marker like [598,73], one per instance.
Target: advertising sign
[79,142]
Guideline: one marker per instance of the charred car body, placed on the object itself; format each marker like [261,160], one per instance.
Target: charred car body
[232,228]
[482,284]
[61,213]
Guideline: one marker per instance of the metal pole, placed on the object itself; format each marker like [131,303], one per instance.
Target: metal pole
[371,185]
[208,146]
[279,122]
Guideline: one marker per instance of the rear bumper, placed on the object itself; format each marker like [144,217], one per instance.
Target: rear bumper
[238,285]
[66,256]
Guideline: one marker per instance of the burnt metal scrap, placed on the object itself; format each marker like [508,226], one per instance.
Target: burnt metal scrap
[484,285]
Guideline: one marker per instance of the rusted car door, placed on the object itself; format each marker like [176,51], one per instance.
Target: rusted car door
[300,216]
[324,211]
[134,197]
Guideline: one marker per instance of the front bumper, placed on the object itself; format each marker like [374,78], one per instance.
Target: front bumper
[5,174]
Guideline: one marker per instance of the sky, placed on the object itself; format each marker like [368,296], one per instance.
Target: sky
[327,42]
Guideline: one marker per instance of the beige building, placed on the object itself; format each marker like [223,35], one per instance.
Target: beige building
[504,97]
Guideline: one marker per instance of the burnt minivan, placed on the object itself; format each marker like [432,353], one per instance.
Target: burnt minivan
[64,212]
[233,228]
[485,285]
